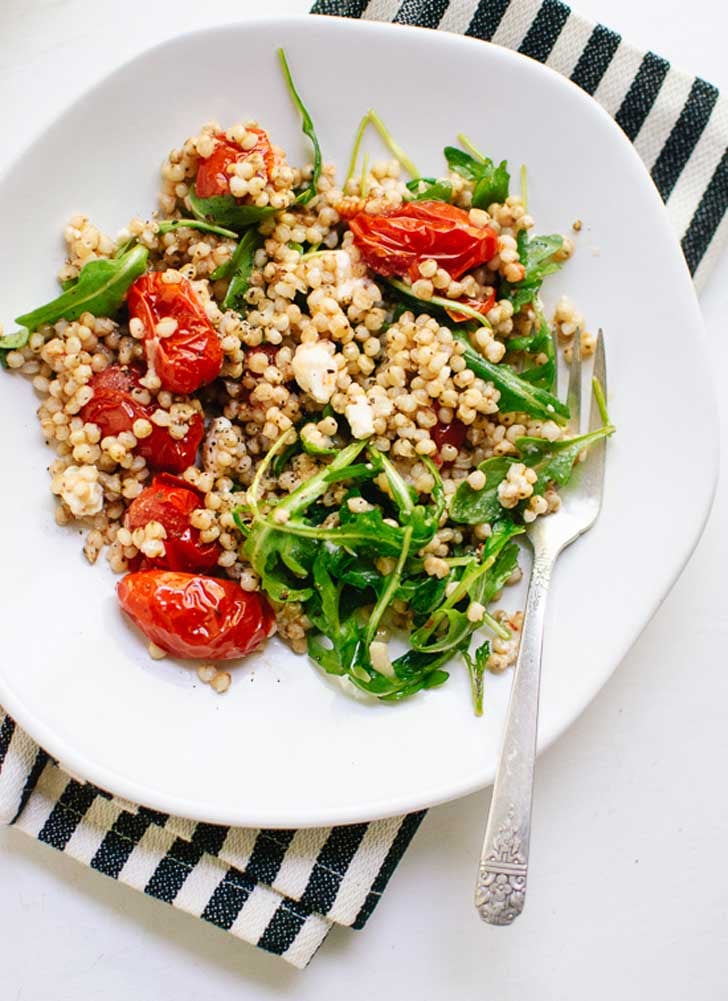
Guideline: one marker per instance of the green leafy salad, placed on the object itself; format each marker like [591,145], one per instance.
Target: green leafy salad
[353,380]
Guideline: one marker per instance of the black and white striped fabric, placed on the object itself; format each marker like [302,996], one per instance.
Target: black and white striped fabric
[677,122]
[283,890]
[280,890]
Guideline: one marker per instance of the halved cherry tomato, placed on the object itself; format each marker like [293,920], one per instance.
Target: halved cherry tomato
[173,455]
[170,501]
[192,355]
[397,242]
[113,409]
[190,615]
[212,174]
[483,306]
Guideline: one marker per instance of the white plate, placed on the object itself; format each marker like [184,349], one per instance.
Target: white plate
[284,747]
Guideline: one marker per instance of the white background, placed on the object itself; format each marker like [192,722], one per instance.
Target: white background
[628,894]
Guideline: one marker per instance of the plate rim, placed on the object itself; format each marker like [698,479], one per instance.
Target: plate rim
[84,769]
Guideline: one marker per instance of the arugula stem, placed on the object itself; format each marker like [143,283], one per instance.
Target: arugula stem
[476,686]
[308,130]
[392,144]
[355,149]
[363,183]
[466,582]
[468,145]
[315,252]
[400,490]
[436,300]
[341,535]
[251,495]
[458,593]
[169,225]
[598,391]
[392,584]
[494,625]
[524,187]
[313,488]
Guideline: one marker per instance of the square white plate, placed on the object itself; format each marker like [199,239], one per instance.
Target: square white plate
[284,747]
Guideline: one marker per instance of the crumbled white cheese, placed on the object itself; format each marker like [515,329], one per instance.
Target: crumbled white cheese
[360,416]
[81,491]
[379,656]
[314,369]
[346,283]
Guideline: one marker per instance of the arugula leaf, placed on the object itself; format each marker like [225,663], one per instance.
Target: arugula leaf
[492,187]
[477,665]
[473,507]
[537,257]
[554,460]
[223,210]
[100,289]
[538,343]
[423,596]
[463,163]
[336,570]
[430,189]
[491,182]
[490,584]
[239,269]
[12,342]
[517,395]
[308,130]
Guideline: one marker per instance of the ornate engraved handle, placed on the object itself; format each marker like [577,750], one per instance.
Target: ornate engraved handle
[500,890]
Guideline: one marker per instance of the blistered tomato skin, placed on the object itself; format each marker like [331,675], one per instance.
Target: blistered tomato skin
[194,616]
[114,409]
[454,434]
[212,174]
[170,500]
[190,356]
[173,455]
[397,242]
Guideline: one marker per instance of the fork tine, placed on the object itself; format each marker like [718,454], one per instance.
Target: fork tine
[573,395]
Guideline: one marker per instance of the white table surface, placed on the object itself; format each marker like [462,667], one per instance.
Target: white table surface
[628,896]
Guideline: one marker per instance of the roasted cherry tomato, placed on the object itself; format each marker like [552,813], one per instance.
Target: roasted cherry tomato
[212,174]
[170,501]
[397,242]
[191,355]
[449,434]
[483,306]
[172,455]
[189,615]
[114,409]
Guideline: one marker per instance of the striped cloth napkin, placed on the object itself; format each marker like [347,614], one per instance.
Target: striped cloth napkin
[282,890]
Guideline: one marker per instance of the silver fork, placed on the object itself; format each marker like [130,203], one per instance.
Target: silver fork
[500,891]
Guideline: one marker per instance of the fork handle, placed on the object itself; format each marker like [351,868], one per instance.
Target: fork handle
[500,890]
